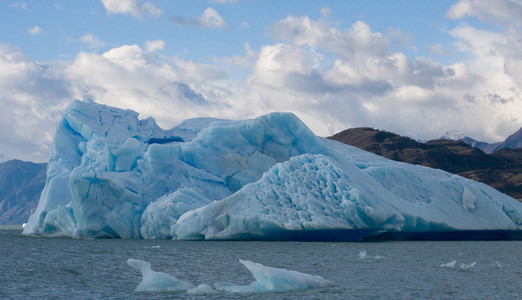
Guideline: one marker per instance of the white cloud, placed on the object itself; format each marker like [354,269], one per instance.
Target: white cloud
[332,78]
[209,18]
[360,82]
[198,73]
[130,77]
[485,10]
[35,30]
[92,41]
[436,48]
[36,97]
[132,7]
[152,46]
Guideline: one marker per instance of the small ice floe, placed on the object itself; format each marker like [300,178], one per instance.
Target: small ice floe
[153,281]
[465,267]
[363,255]
[155,247]
[451,264]
[497,264]
[268,279]
[462,267]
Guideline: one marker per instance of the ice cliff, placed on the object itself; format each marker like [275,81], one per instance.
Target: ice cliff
[111,174]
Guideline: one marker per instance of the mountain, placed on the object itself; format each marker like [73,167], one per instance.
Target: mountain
[514,141]
[20,186]
[501,170]
[112,175]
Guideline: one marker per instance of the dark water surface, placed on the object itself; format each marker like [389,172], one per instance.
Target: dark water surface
[63,268]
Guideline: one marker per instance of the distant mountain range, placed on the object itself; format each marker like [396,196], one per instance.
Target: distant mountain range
[502,169]
[20,186]
[514,141]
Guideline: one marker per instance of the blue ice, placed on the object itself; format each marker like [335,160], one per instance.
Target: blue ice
[111,174]
[154,281]
[269,279]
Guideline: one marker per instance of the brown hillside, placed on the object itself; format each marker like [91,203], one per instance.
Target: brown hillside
[501,170]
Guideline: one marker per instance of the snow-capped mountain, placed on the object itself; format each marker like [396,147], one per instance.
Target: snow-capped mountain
[514,141]
[453,135]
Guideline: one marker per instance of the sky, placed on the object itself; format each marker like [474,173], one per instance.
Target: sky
[416,68]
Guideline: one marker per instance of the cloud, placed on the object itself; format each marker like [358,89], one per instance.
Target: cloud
[131,77]
[359,81]
[35,30]
[436,48]
[210,19]
[92,41]
[133,7]
[497,11]
[152,46]
[36,97]
[21,5]
[332,78]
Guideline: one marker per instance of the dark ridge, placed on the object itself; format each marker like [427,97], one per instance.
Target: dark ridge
[501,170]
[460,235]
[164,140]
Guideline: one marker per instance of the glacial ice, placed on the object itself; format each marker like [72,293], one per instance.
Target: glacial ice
[154,281]
[363,255]
[111,174]
[462,266]
[450,264]
[269,279]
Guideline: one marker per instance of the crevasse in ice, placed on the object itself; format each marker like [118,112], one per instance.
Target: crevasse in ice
[111,174]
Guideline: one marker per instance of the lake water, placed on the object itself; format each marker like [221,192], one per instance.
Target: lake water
[63,268]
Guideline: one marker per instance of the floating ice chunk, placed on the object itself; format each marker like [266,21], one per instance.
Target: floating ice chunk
[451,264]
[363,255]
[202,289]
[269,279]
[465,267]
[153,281]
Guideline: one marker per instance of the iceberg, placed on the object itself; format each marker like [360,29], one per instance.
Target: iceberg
[154,281]
[269,279]
[113,175]
[450,264]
